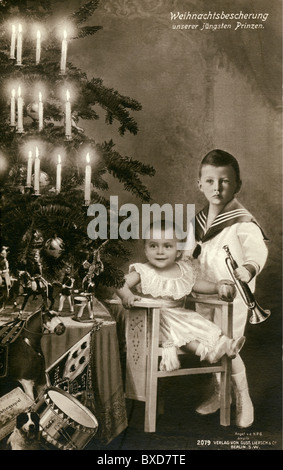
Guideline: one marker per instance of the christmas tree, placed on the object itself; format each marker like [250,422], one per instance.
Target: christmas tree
[51,170]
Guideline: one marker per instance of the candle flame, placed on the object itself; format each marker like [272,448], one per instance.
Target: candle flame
[87,158]
[36,152]
[65,34]
[30,154]
[40,96]
[13,92]
[13,28]
[59,158]
[38,34]
[19,91]
[67,95]
[20,28]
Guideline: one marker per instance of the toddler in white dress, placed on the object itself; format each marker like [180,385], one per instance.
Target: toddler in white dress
[165,278]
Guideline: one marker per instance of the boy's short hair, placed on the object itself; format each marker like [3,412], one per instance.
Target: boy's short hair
[218,157]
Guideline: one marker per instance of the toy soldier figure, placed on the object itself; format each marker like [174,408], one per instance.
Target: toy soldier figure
[4,269]
[67,289]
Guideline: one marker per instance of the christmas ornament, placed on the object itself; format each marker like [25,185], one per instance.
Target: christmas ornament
[33,111]
[18,174]
[37,239]
[43,179]
[54,247]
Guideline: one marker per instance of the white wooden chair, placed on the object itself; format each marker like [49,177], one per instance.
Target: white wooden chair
[144,351]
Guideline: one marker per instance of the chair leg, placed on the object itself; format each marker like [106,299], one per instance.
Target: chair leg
[152,370]
[225,381]
[151,408]
[225,387]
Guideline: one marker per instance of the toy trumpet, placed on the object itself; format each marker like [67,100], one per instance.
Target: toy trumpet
[258,314]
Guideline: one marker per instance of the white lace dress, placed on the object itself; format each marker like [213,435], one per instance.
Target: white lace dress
[178,326]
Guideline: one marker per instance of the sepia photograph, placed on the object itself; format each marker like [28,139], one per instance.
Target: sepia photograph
[141,228]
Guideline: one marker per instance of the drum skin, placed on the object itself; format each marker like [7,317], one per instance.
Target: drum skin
[64,421]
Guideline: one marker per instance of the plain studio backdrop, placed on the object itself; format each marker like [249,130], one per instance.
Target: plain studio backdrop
[201,90]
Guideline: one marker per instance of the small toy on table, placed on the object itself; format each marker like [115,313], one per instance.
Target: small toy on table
[4,269]
[67,289]
[86,298]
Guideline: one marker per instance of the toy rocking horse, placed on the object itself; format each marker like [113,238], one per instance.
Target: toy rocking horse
[21,356]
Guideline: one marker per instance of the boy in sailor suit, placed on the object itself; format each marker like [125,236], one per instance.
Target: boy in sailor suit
[224,221]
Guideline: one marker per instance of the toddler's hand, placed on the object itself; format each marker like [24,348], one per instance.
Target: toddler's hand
[242,274]
[226,290]
[129,301]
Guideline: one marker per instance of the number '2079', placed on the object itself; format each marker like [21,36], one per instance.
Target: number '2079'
[203,442]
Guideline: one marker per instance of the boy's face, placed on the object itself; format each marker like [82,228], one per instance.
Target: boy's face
[218,184]
[161,252]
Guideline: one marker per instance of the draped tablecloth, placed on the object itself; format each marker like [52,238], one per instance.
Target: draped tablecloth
[85,362]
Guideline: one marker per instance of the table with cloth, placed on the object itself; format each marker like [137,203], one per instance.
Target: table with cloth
[85,362]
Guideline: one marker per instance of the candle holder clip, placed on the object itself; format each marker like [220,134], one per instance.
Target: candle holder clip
[86,205]
[28,190]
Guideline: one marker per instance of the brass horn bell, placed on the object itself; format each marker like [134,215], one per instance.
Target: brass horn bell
[258,314]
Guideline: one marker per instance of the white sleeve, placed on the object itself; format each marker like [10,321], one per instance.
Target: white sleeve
[254,249]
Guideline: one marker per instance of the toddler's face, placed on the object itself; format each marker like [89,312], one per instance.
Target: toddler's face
[218,184]
[161,252]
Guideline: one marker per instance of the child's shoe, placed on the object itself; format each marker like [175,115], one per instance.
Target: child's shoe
[225,345]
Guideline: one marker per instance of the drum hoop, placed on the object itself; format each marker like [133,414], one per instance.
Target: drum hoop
[63,415]
[55,443]
[80,299]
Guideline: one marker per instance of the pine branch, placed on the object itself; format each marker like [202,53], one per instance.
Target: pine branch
[112,276]
[113,103]
[118,250]
[87,31]
[131,182]
[84,12]
[113,158]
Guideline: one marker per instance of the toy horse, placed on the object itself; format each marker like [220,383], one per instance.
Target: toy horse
[36,285]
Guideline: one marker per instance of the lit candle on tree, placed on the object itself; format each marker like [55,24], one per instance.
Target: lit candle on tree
[13,107]
[68,117]
[87,180]
[13,42]
[38,47]
[19,45]
[20,128]
[40,111]
[29,169]
[58,175]
[64,53]
[36,171]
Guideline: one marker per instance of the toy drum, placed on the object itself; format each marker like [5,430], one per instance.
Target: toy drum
[64,421]
[80,303]
[80,300]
